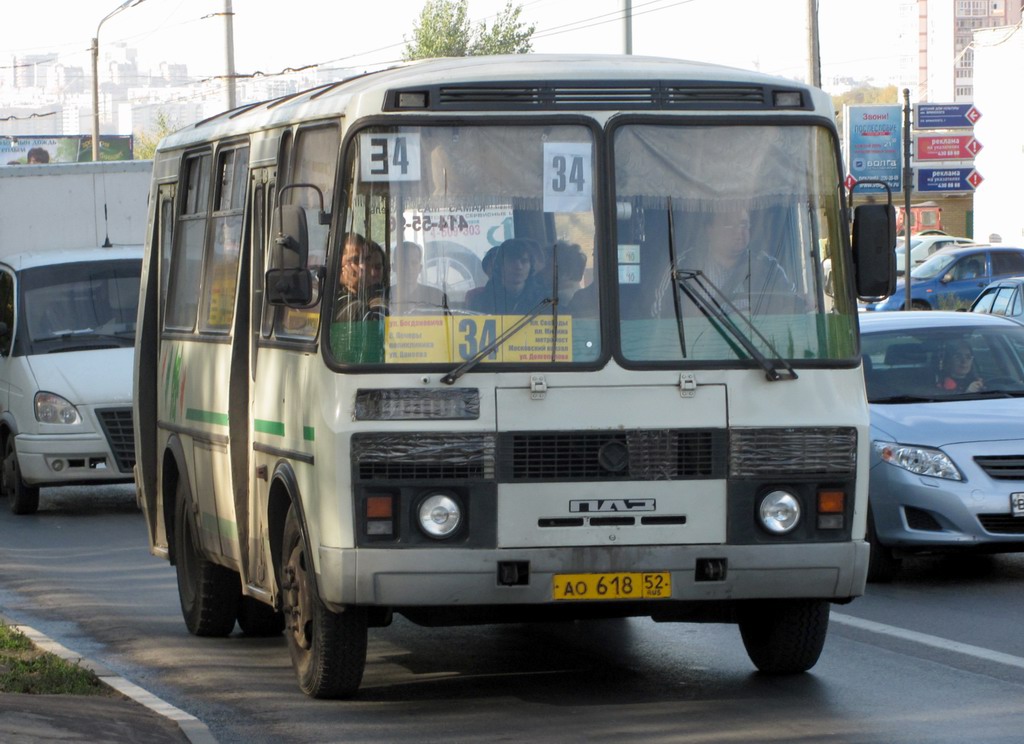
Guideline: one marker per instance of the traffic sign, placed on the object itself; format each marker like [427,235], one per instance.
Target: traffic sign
[946,147]
[945,115]
[948,179]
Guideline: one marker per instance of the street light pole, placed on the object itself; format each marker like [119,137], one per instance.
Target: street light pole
[95,76]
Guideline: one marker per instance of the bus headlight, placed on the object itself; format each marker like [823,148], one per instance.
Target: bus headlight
[440,515]
[53,409]
[779,512]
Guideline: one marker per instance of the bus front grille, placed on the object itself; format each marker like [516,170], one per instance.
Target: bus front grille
[637,454]
[120,434]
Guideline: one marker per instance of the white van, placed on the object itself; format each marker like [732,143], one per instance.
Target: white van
[67,332]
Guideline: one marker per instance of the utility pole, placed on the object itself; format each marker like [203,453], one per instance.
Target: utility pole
[813,48]
[229,49]
[627,14]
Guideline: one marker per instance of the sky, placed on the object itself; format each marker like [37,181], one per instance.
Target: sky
[857,39]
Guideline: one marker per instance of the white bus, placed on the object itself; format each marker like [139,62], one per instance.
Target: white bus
[611,423]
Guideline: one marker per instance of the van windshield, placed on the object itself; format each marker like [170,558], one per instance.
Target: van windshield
[76,306]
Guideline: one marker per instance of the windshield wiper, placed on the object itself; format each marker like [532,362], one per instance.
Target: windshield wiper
[474,360]
[709,299]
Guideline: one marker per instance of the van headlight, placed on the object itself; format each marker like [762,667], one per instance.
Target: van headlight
[53,409]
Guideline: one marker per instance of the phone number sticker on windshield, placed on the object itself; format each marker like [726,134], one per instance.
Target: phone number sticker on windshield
[653,585]
[441,338]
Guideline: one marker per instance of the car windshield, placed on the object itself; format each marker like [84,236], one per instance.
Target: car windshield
[943,362]
[82,305]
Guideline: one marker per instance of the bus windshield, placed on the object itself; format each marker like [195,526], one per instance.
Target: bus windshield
[476,244]
[748,217]
[456,235]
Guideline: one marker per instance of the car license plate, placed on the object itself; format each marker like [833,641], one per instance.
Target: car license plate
[654,585]
[1017,503]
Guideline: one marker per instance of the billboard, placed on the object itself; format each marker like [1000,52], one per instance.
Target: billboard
[874,146]
[63,148]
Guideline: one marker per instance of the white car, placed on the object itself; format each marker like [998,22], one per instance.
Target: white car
[923,246]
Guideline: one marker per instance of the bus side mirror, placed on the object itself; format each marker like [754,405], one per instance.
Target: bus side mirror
[298,288]
[874,250]
[293,238]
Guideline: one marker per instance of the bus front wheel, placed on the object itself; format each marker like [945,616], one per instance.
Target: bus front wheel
[784,636]
[328,649]
[209,593]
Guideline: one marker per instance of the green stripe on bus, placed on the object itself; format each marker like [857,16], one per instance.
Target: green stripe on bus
[308,433]
[269,427]
[206,417]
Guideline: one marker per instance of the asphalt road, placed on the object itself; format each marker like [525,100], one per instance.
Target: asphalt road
[937,656]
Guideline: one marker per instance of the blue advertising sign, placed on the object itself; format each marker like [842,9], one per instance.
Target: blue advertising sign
[948,179]
[875,146]
[945,115]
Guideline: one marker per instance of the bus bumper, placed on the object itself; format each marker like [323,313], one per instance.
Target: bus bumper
[434,578]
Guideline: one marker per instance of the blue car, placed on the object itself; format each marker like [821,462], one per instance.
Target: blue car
[953,277]
[946,393]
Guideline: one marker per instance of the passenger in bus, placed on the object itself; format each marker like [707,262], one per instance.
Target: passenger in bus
[361,295]
[747,276]
[486,263]
[509,290]
[570,263]
[408,294]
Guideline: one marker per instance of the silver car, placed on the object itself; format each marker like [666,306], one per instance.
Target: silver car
[947,427]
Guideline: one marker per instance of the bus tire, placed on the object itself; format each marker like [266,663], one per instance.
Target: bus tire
[259,619]
[22,498]
[784,636]
[209,593]
[328,649]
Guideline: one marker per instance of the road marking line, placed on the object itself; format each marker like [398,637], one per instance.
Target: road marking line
[929,640]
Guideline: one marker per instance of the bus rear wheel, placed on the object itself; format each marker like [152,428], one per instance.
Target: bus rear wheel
[328,649]
[784,636]
[209,593]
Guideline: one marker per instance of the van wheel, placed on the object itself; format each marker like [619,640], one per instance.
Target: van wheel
[784,636]
[328,649]
[919,305]
[23,498]
[209,593]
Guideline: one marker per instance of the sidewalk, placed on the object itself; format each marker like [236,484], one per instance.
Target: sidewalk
[137,716]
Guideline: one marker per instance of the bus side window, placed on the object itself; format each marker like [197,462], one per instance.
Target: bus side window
[315,158]
[187,255]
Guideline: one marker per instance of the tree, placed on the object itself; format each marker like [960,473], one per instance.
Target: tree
[147,141]
[444,30]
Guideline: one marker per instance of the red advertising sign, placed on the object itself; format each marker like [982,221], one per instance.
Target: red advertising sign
[946,147]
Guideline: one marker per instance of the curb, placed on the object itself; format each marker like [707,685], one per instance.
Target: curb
[195,730]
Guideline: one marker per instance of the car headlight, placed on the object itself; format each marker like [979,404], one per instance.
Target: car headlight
[439,515]
[779,512]
[918,460]
[53,409]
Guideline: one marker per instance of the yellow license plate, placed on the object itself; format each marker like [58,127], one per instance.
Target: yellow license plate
[656,585]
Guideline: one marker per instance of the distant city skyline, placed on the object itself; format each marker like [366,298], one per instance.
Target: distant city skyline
[856,40]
